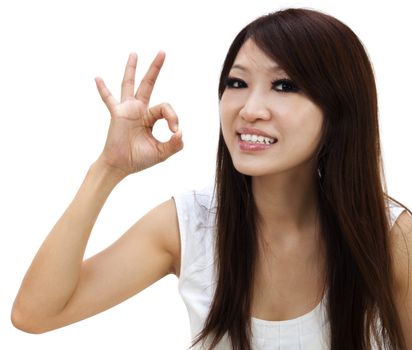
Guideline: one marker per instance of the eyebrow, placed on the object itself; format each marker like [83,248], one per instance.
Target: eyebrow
[274,68]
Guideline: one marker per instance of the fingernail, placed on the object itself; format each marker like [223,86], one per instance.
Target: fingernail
[175,127]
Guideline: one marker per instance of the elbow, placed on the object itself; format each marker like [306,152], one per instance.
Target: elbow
[24,322]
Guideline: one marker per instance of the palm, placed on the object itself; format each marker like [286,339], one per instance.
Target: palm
[130,144]
[132,119]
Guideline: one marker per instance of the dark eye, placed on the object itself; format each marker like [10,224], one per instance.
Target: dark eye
[235,83]
[285,85]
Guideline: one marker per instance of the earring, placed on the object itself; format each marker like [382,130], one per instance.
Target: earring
[319,173]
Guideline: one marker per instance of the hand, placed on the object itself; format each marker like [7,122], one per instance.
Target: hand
[130,145]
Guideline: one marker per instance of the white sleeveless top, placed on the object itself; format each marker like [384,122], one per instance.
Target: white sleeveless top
[196,211]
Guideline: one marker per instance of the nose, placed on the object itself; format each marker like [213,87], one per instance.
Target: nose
[255,108]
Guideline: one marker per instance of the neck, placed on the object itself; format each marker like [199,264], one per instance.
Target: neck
[286,203]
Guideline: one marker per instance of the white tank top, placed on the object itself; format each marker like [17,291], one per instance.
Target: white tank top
[196,211]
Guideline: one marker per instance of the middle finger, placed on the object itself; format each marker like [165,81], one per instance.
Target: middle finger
[128,78]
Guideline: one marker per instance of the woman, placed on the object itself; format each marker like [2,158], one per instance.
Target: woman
[296,247]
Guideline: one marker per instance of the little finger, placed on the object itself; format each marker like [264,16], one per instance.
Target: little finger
[105,94]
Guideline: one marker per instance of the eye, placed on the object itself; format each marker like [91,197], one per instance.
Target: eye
[285,85]
[235,83]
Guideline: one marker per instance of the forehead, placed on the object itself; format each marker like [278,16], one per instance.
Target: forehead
[251,58]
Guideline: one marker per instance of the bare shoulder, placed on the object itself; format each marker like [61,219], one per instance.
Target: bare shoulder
[401,250]
[401,246]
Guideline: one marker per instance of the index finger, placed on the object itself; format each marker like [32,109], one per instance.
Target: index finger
[145,88]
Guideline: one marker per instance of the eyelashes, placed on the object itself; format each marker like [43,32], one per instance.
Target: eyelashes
[286,85]
[280,85]
[234,83]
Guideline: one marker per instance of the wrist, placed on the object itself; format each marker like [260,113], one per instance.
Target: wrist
[107,172]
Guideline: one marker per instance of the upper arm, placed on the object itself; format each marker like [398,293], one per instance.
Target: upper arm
[401,245]
[145,253]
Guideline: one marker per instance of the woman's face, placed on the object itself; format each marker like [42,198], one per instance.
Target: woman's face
[268,124]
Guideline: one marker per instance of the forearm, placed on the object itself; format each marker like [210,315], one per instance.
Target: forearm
[54,273]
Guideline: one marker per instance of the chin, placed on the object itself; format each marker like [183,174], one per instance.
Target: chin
[251,170]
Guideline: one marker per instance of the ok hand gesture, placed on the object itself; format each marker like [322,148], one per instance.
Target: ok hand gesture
[130,145]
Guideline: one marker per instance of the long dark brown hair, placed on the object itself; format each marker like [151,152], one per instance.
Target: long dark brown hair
[329,63]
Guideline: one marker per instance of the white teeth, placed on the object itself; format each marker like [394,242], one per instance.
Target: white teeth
[257,139]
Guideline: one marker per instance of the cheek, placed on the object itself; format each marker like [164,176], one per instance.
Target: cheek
[315,121]
[225,121]
[303,127]
[232,102]
[227,112]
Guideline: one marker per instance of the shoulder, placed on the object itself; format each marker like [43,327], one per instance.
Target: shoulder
[182,214]
[195,212]
[203,197]
[195,206]
[401,247]
[401,250]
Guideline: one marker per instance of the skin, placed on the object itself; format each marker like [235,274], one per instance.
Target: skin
[283,182]
[284,176]
[61,288]
[290,270]
[401,249]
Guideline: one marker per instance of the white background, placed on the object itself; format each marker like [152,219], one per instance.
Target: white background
[53,126]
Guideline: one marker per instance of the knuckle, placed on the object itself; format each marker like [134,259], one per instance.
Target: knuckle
[171,109]
[167,106]
[149,80]
[131,65]
[129,81]
[150,117]
[157,65]
[105,96]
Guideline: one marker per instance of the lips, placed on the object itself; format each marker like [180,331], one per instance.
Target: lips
[251,140]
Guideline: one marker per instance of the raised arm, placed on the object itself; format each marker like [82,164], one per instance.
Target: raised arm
[60,288]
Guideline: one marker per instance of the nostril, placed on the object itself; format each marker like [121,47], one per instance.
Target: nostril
[254,113]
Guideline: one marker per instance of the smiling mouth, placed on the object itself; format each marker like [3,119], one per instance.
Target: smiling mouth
[257,139]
